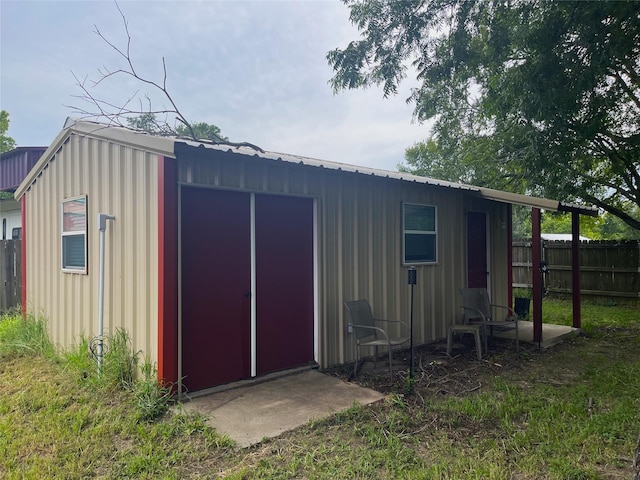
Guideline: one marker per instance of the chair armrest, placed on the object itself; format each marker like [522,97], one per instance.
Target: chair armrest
[509,309]
[390,321]
[475,310]
[367,327]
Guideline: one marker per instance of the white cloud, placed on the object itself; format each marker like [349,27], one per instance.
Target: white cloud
[256,69]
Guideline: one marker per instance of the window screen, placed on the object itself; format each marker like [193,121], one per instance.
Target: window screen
[419,233]
[74,234]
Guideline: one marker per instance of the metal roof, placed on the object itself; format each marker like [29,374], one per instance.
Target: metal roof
[171,147]
[313,162]
[15,165]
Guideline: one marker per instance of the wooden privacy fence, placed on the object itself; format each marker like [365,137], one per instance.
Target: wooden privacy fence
[10,274]
[609,270]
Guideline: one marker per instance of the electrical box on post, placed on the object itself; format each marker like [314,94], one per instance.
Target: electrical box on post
[412,276]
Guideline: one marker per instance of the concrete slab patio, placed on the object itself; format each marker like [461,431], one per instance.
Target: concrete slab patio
[250,413]
[551,334]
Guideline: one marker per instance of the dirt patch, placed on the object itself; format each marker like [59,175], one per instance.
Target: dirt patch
[436,373]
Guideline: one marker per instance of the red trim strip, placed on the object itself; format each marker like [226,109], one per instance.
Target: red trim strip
[167,270]
[536,273]
[23,254]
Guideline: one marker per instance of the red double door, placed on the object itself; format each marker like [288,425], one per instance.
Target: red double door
[247,285]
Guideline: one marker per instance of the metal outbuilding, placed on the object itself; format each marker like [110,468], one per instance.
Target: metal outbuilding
[226,262]
[14,166]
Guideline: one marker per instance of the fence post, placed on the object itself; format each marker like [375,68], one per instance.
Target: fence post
[575,265]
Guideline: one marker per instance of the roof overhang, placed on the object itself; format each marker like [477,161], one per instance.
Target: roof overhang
[537,202]
[518,199]
[581,209]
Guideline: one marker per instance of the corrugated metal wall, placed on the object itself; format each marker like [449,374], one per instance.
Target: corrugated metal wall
[15,164]
[117,180]
[360,242]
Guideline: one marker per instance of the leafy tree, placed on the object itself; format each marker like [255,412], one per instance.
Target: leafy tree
[604,227]
[545,96]
[203,131]
[433,158]
[148,122]
[6,142]
[612,228]
[467,161]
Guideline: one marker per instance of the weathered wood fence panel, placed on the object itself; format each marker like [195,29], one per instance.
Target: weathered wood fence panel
[521,264]
[10,274]
[609,270]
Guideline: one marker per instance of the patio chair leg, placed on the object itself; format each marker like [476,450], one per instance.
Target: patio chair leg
[478,345]
[375,360]
[390,364]
[486,342]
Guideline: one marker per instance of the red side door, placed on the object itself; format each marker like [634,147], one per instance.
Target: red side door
[216,282]
[477,265]
[284,282]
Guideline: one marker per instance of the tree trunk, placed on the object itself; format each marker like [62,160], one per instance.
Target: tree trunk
[636,463]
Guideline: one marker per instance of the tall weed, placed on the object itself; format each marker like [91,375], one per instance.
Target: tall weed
[121,371]
[24,336]
[120,362]
[152,398]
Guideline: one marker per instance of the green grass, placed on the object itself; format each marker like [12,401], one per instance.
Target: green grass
[19,337]
[62,418]
[572,412]
[596,319]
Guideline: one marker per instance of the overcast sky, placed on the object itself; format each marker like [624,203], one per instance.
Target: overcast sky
[256,69]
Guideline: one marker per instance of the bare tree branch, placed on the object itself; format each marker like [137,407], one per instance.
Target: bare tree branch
[121,114]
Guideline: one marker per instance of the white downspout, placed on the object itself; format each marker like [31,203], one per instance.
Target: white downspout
[102,227]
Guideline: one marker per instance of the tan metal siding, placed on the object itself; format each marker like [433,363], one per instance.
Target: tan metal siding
[360,242]
[117,180]
[499,252]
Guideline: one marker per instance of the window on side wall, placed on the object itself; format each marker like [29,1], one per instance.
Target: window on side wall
[419,232]
[74,235]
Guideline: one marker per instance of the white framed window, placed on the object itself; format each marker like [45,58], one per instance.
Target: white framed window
[74,234]
[419,234]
